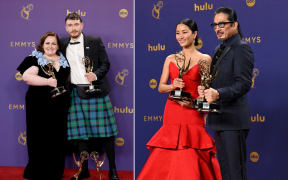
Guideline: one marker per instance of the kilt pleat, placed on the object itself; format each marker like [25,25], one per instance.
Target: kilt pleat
[90,118]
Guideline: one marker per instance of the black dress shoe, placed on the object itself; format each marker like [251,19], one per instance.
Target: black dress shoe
[26,175]
[27,172]
[113,174]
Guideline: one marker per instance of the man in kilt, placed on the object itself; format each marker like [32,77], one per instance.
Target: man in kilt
[91,121]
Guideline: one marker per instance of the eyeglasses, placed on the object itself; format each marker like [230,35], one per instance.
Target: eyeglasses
[220,24]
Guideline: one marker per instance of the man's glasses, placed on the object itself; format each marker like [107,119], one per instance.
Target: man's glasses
[220,24]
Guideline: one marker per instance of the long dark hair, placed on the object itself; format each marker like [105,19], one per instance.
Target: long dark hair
[192,26]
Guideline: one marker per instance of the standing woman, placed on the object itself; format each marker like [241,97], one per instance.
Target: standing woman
[182,148]
[46,117]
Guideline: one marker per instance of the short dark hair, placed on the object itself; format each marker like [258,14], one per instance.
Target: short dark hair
[232,16]
[42,40]
[73,16]
[192,26]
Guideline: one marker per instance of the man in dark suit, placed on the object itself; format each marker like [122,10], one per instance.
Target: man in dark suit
[232,64]
[91,121]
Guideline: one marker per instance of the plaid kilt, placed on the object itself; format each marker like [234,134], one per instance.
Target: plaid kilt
[89,118]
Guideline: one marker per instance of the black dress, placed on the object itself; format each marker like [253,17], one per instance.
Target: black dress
[46,120]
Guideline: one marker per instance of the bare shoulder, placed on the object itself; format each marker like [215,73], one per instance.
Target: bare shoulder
[169,58]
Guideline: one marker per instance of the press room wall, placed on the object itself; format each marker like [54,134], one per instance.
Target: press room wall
[23,23]
[264,25]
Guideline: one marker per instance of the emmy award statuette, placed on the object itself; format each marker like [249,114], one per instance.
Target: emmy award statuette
[99,160]
[49,70]
[83,156]
[206,79]
[89,68]
[179,94]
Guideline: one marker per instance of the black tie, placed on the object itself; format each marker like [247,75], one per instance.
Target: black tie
[72,43]
[216,57]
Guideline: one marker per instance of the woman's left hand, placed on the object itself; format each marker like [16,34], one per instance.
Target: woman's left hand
[185,103]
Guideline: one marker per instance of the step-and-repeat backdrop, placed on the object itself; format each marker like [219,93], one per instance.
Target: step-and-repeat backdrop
[23,23]
[264,25]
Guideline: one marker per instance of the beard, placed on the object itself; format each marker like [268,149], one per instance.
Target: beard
[75,36]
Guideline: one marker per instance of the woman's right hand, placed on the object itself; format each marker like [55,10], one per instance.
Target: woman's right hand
[52,82]
[178,83]
[201,91]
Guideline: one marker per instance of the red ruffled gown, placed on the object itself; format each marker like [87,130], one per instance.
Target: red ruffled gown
[182,149]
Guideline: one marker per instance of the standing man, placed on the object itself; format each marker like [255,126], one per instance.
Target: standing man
[91,120]
[233,64]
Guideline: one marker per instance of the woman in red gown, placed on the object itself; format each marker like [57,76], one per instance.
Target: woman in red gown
[182,149]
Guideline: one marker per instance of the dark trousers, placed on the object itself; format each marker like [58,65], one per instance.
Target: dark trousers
[97,144]
[231,147]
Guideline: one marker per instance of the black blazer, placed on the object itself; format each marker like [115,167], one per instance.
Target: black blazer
[233,82]
[95,50]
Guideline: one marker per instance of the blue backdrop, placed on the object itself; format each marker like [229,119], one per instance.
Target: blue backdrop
[264,27]
[23,23]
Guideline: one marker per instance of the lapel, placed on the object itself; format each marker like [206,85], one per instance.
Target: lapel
[233,40]
[225,51]
[86,46]
[228,45]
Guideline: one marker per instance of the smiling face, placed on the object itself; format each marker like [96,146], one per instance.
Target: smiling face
[50,46]
[185,36]
[228,30]
[74,27]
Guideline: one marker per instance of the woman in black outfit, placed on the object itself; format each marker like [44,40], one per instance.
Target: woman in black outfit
[46,114]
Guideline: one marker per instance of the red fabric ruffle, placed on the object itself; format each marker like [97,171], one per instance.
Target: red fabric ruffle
[181,136]
[184,164]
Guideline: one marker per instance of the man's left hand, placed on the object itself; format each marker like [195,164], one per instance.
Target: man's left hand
[211,95]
